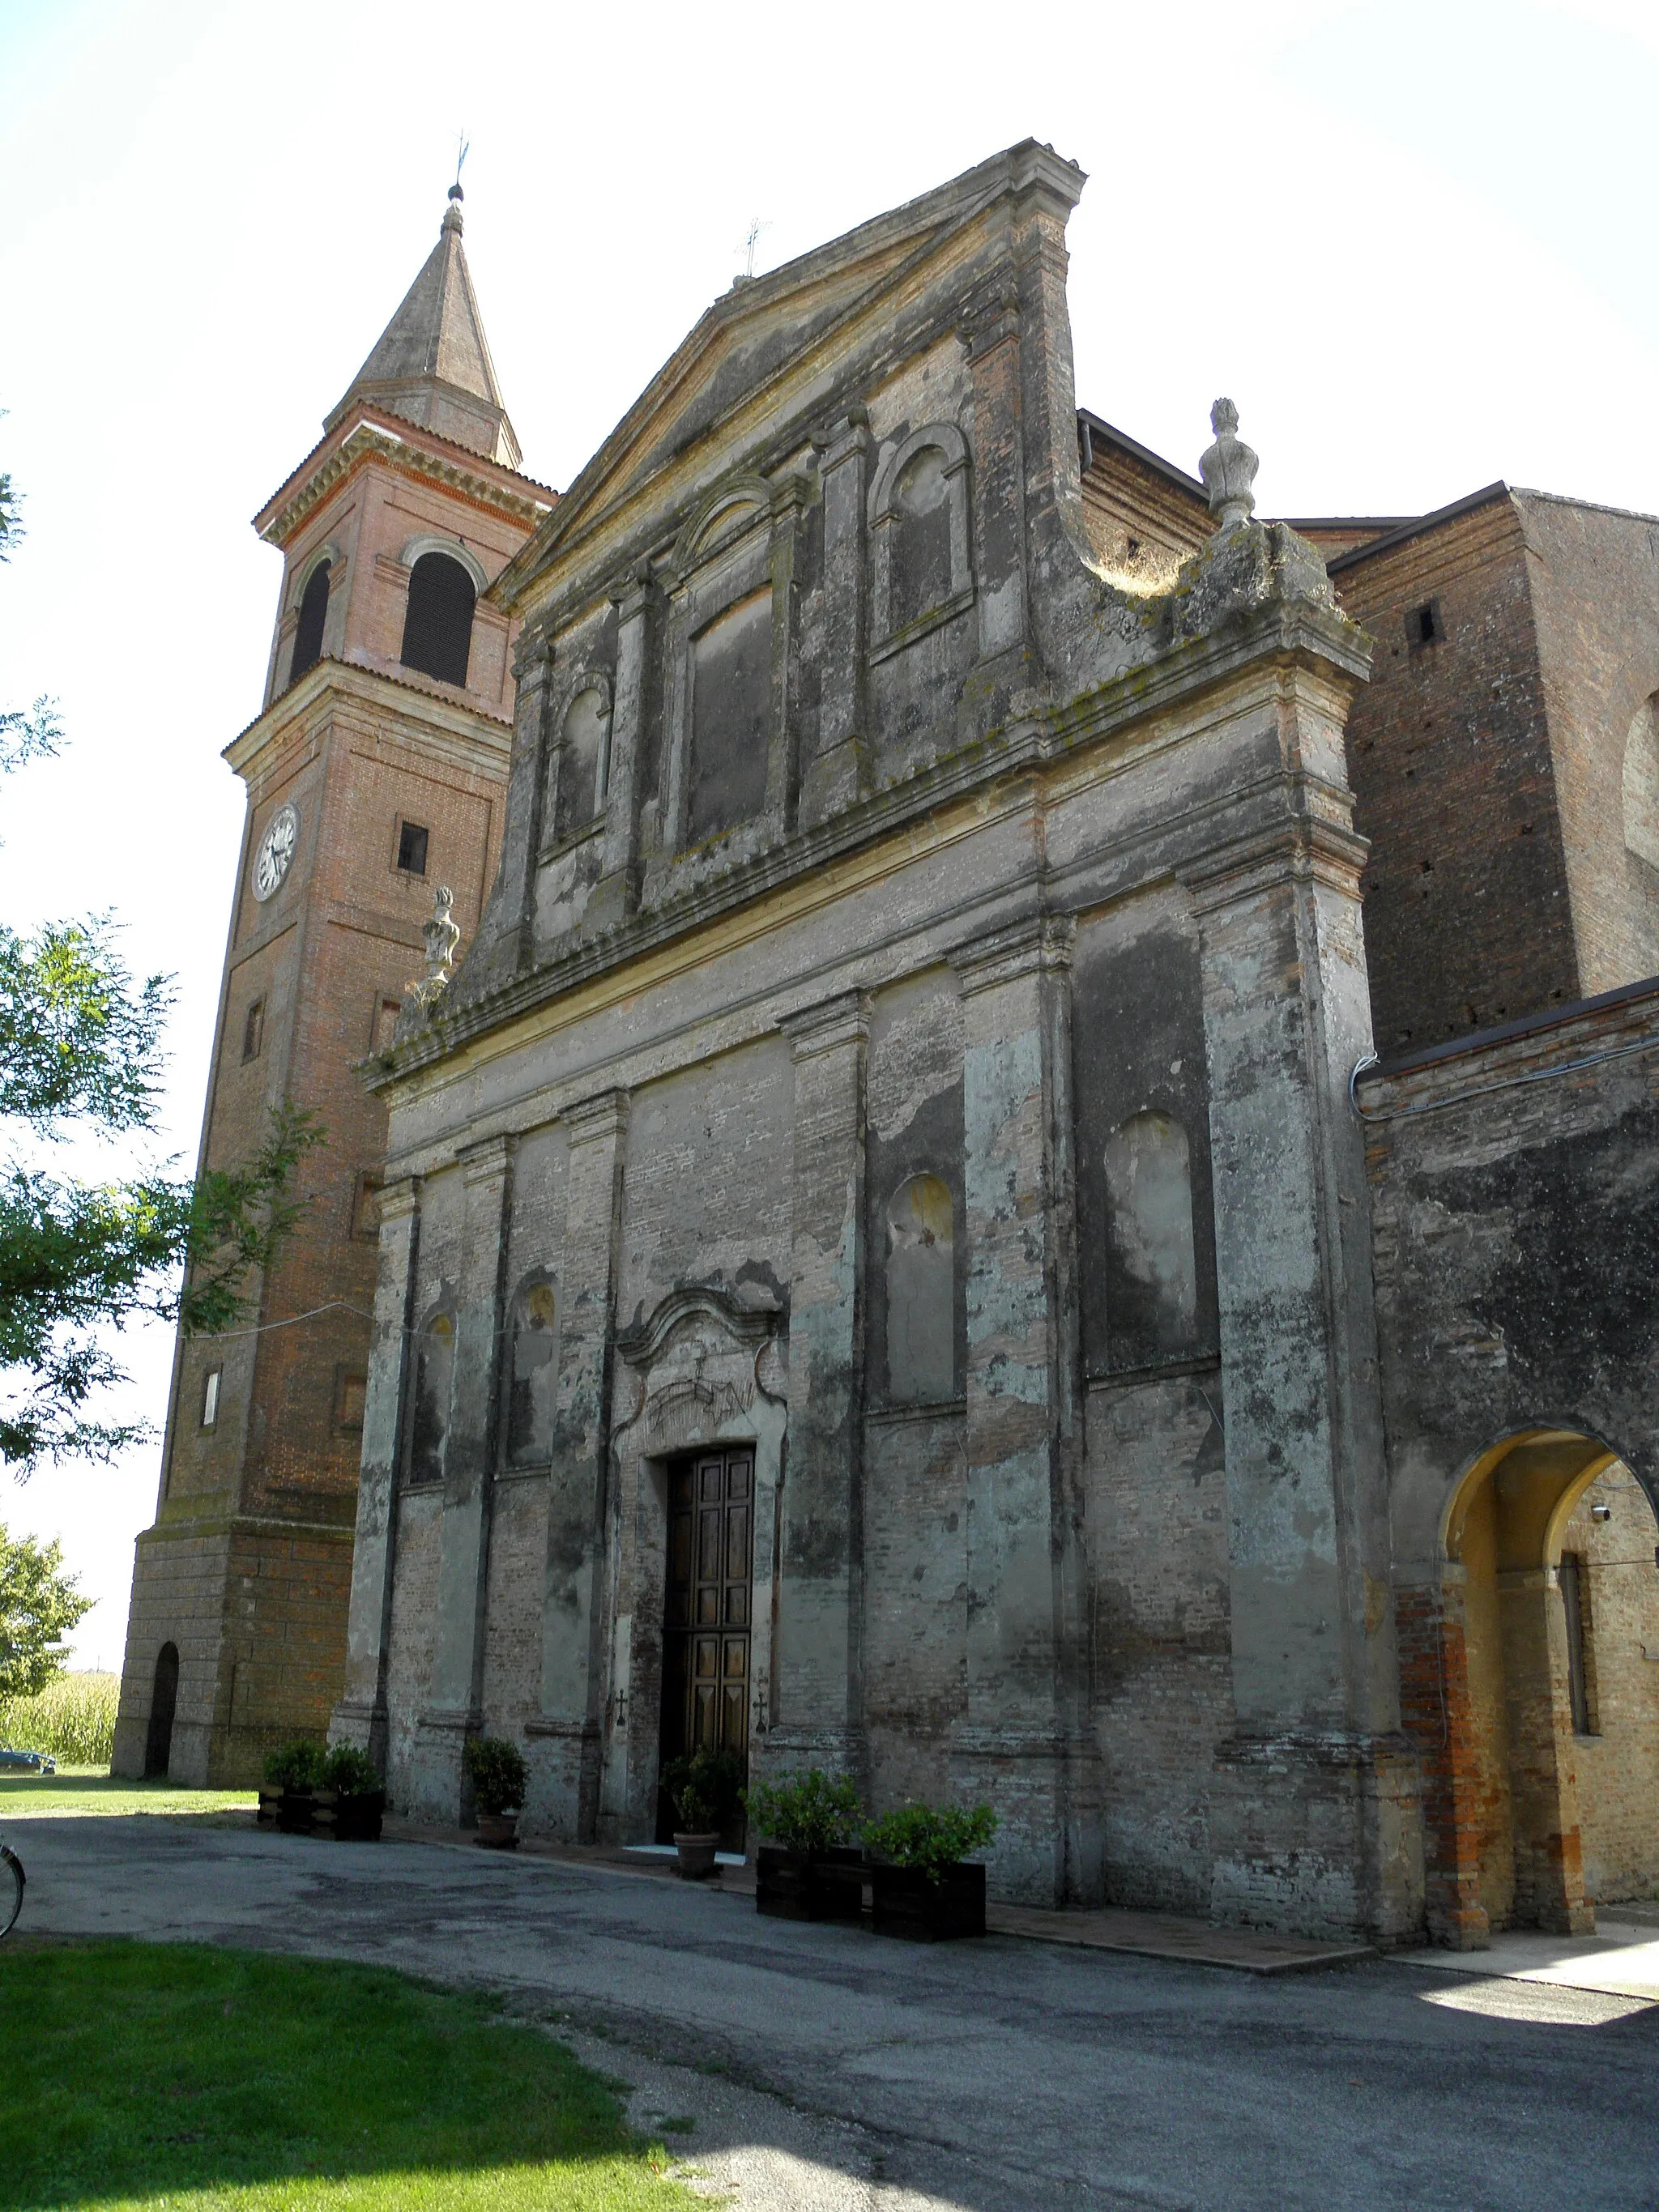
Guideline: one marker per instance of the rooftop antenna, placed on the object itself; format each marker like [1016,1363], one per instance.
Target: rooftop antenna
[463,148]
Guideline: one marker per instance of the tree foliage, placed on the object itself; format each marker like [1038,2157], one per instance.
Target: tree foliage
[39,1604]
[80,1056]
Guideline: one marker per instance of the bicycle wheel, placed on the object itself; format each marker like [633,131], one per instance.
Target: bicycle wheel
[11,1888]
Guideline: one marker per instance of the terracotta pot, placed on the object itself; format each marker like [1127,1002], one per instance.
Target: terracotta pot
[827,1884]
[696,1860]
[498,1831]
[905,1903]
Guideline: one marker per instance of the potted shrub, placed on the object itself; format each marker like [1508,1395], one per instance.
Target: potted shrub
[811,1870]
[919,1885]
[292,1775]
[705,1792]
[496,1771]
[359,1800]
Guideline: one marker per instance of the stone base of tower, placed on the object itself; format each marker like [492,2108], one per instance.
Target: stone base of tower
[255,1610]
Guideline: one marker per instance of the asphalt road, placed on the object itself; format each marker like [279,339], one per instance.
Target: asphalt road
[827,2068]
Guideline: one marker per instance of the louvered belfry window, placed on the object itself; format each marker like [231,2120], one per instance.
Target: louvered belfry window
[438,628]
[313,610]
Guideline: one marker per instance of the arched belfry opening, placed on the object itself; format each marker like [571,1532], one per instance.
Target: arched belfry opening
[163,1703]
[1552,1695]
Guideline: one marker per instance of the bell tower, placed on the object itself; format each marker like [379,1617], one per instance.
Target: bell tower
[376,773]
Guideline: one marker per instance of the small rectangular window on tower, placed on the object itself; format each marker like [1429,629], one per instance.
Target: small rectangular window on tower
[411,848]
[211,1397]
[386,1011]
[253,1030]
[1424,625]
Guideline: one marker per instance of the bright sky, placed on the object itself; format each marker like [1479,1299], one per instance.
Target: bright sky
[1415,242]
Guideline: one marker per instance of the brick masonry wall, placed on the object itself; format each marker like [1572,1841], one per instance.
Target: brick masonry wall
[1161,1661]
[1468,917]
[1617,1766]
[1595,594]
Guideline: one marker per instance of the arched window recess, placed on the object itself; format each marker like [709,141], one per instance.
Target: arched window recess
[444,583]
[533,1372]
[431,1393]
[920,556]
[312,584]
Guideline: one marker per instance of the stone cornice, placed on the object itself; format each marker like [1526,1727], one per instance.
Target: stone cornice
[473,727]
[1316,643]
[378,434]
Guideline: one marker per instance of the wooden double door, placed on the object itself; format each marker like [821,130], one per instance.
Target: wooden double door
[708,1609]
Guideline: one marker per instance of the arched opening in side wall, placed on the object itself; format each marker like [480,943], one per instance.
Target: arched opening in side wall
[163,1703]
[1552,1727]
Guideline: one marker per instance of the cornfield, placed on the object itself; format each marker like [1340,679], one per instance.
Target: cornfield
[73,1718]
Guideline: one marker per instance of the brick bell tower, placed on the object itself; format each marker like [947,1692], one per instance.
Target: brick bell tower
[375,772]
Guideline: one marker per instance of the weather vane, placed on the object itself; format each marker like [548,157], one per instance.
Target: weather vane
[463,148]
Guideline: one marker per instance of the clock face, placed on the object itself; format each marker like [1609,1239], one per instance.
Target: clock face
[275,851]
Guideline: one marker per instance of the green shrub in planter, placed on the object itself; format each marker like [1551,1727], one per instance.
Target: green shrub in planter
[705,1789]
[809,1872]
[296,1768]
[805,1813]
[349,1772]
[496,1771]
[921,1886]
[928,1840]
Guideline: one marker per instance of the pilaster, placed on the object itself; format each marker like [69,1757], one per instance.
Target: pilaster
[456,1681]
[360,1717]
[1332,1842]
[564,1737]
[635,598]
[817,1715]
[1020,1746]
[839,771]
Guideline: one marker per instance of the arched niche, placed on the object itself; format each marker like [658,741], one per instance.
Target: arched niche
[921,1285]
[580,767]
[1152,1261]
[532,1373]
[432,1388]
[922,568]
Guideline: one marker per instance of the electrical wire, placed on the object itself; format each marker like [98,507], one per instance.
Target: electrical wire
[1487,1090]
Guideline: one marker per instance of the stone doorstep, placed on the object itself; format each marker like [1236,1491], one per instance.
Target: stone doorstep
[1142,1935]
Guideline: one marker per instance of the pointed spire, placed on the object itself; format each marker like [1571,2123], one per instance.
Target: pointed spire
[432,364]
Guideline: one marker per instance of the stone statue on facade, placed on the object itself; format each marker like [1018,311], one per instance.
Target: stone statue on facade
[442,933]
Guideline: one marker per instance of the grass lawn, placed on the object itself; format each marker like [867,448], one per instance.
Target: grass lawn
[177,2076]
[92,1790]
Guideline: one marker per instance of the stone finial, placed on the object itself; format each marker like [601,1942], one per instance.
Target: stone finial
[1228,470]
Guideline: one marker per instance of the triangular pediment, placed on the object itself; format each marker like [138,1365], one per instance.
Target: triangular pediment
[768,348]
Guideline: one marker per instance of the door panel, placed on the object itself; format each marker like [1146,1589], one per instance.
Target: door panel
[707,1610]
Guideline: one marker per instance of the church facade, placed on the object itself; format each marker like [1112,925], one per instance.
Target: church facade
[877,1265]
[892,1248]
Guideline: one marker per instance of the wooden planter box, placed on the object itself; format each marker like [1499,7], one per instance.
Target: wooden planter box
[296,1810]
[809,1885]
[905,1904]
[498,1831]
[269,1801]
[356,1819]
